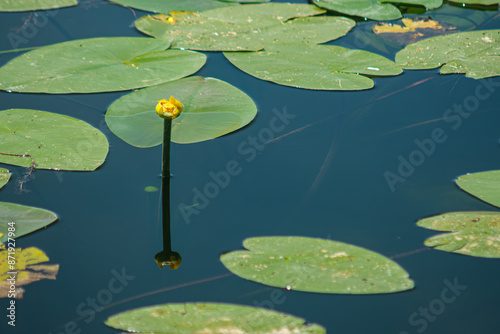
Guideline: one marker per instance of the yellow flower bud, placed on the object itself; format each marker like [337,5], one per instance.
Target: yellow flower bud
[169,109]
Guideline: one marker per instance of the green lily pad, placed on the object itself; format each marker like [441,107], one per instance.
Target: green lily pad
[484,185]
[26,219]
[473,233]
[316,265]
[28,5]
[212,108]
[209,318]
[374,9]
[165,6]
[475,53]
[4,177]
[249,27]
[52,140]
[98,65]
[325,67]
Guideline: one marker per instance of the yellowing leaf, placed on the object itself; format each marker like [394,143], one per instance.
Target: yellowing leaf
[412,30]
[23,265]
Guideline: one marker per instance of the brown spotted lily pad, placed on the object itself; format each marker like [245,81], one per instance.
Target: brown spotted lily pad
[209,318]
[316,265]
[471,233]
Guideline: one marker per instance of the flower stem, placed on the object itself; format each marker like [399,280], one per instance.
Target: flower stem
[165,174]
[167,131]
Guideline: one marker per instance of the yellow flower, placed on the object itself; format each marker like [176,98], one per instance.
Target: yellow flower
[168,109]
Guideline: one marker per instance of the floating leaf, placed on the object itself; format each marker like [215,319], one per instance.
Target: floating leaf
[475,53]
[165,6]
[249,27]
[473,233]
[52,140]
[27,5]
[212,108]
[484,185]
[412,30]
[23,219]
[150,189]
[209,318]
[27,268]
[324,67]
[374,9]
[98,65]
[4,177]
[316,265]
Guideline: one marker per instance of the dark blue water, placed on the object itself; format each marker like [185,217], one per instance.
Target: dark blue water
[326,181]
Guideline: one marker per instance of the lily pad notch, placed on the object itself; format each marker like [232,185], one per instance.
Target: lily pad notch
[316,265]
[212,108]
[475,233]
[475,53]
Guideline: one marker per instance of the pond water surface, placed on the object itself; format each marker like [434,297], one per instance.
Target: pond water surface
[323,177]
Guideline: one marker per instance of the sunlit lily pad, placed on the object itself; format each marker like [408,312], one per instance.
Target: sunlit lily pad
[475,53]
[165,6]
[27,267]
[4,177]
[209,318]
[374,9]
[52,140]
[98,65]
[24,219]
[212,108]
[249,27]
[473,233]
[325,67]
[316,265]
[28,5]
[484,185]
